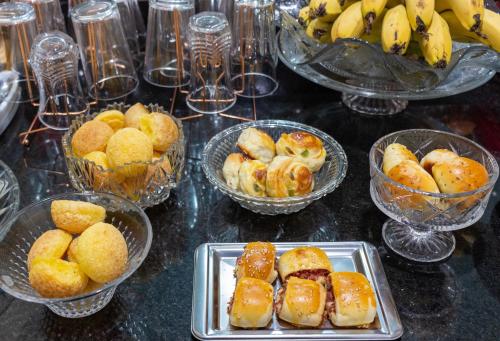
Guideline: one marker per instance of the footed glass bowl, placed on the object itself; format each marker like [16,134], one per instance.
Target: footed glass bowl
[9,196]
[327,179]
[29,223]
[420,221]
[149,188]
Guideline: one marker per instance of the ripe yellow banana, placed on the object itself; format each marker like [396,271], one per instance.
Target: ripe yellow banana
[375,35]
[469,12]
[325,10]
[371,9]
[346,3]
[436,45]
[393,3]
[304,16]
[349,24]
[319,30]
[491,29]
[396,31]
[420,14]
[458,32]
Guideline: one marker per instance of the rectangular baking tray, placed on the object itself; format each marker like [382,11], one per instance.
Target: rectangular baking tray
[213,286]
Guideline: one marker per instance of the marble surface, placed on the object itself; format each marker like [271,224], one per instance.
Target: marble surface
[458,299]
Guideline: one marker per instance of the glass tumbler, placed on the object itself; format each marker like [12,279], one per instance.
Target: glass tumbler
[54,60]
[49,16]
[17,31]
[139,21]
[105,54]
[210,90]
[166,61]
[127,18]
[254,54]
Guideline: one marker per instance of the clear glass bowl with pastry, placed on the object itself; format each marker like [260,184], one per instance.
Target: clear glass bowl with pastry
[429,183]
[274,167]
[45,260]
[134,151]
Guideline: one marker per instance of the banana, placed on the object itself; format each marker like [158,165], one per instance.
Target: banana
[420,14]
[436,45]
[375,35]
[491,29]
[396,31]
[349,24]
[319,30]
[469,12]
[346,3]
[371,9]
[393,3]
[458,32]
[304,16]
[325,10]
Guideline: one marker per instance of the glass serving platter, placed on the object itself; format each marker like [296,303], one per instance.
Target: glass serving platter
[374,82]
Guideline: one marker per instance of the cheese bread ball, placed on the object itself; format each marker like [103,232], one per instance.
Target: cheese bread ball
[161,129]
[72,250]
[114,118]
[101,177]
[90,137]
[75,216]
[133,115]
[51,244]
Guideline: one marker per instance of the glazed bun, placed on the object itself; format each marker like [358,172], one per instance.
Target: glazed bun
[252,304]
[305,262]
[394,154]
[301,302]
[252,177]
[460,175]
[411,174]
[436,156]
[257,145]
[354,303]
[257,261]
[231,169]
[303,146]
[288,177]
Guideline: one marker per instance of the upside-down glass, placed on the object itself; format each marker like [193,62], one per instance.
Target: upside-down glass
[254,53]
[105,54]
[54,60]
[420,221]
[17,31]
[29,223]
[49,16]
[326,180]
[127,17]
[210,90]
[139,22]
[166,62]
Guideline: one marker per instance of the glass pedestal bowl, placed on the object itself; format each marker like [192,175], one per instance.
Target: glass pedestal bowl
[420,224]
[29,223]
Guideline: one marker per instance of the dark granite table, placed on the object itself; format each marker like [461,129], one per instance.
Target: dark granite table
[458,299]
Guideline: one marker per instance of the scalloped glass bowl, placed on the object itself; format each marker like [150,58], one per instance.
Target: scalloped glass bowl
[420,221]
[147,189]
[29,223]
[327,179]
[9,196]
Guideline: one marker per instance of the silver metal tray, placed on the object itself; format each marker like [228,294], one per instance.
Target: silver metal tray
[213,286]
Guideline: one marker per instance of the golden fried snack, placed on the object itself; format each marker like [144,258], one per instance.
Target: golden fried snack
[303,146]
[288,177]
[90,137]
[102,252]
[126,146]
[51,244]
[460,175]
[133,115]
[102,178]
[231,169]
[72,250]
[52,277]
[161,129]
[437,155]
[75,216]
[394,154]
[114,118]
[252,178]
[257,144]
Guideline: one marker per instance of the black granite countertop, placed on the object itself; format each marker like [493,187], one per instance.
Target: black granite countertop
[458,299]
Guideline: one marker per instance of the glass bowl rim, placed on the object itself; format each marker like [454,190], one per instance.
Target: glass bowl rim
[314,195]
[16,192]
[106,286]
[492,179]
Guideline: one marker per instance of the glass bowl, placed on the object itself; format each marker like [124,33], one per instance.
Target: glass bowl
[420,221]
[29,223]
[147,189]
[327,179]
[9,196]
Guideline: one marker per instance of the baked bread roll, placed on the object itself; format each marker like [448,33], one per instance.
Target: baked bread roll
[305,262]
[301,302]
[350,300]
[257,261]
[437,155]
[394,154]
[252,177]
[231,169]
[288,177]
[252,304]
[257,144]
[460,175]
[411,174]
[304,146]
